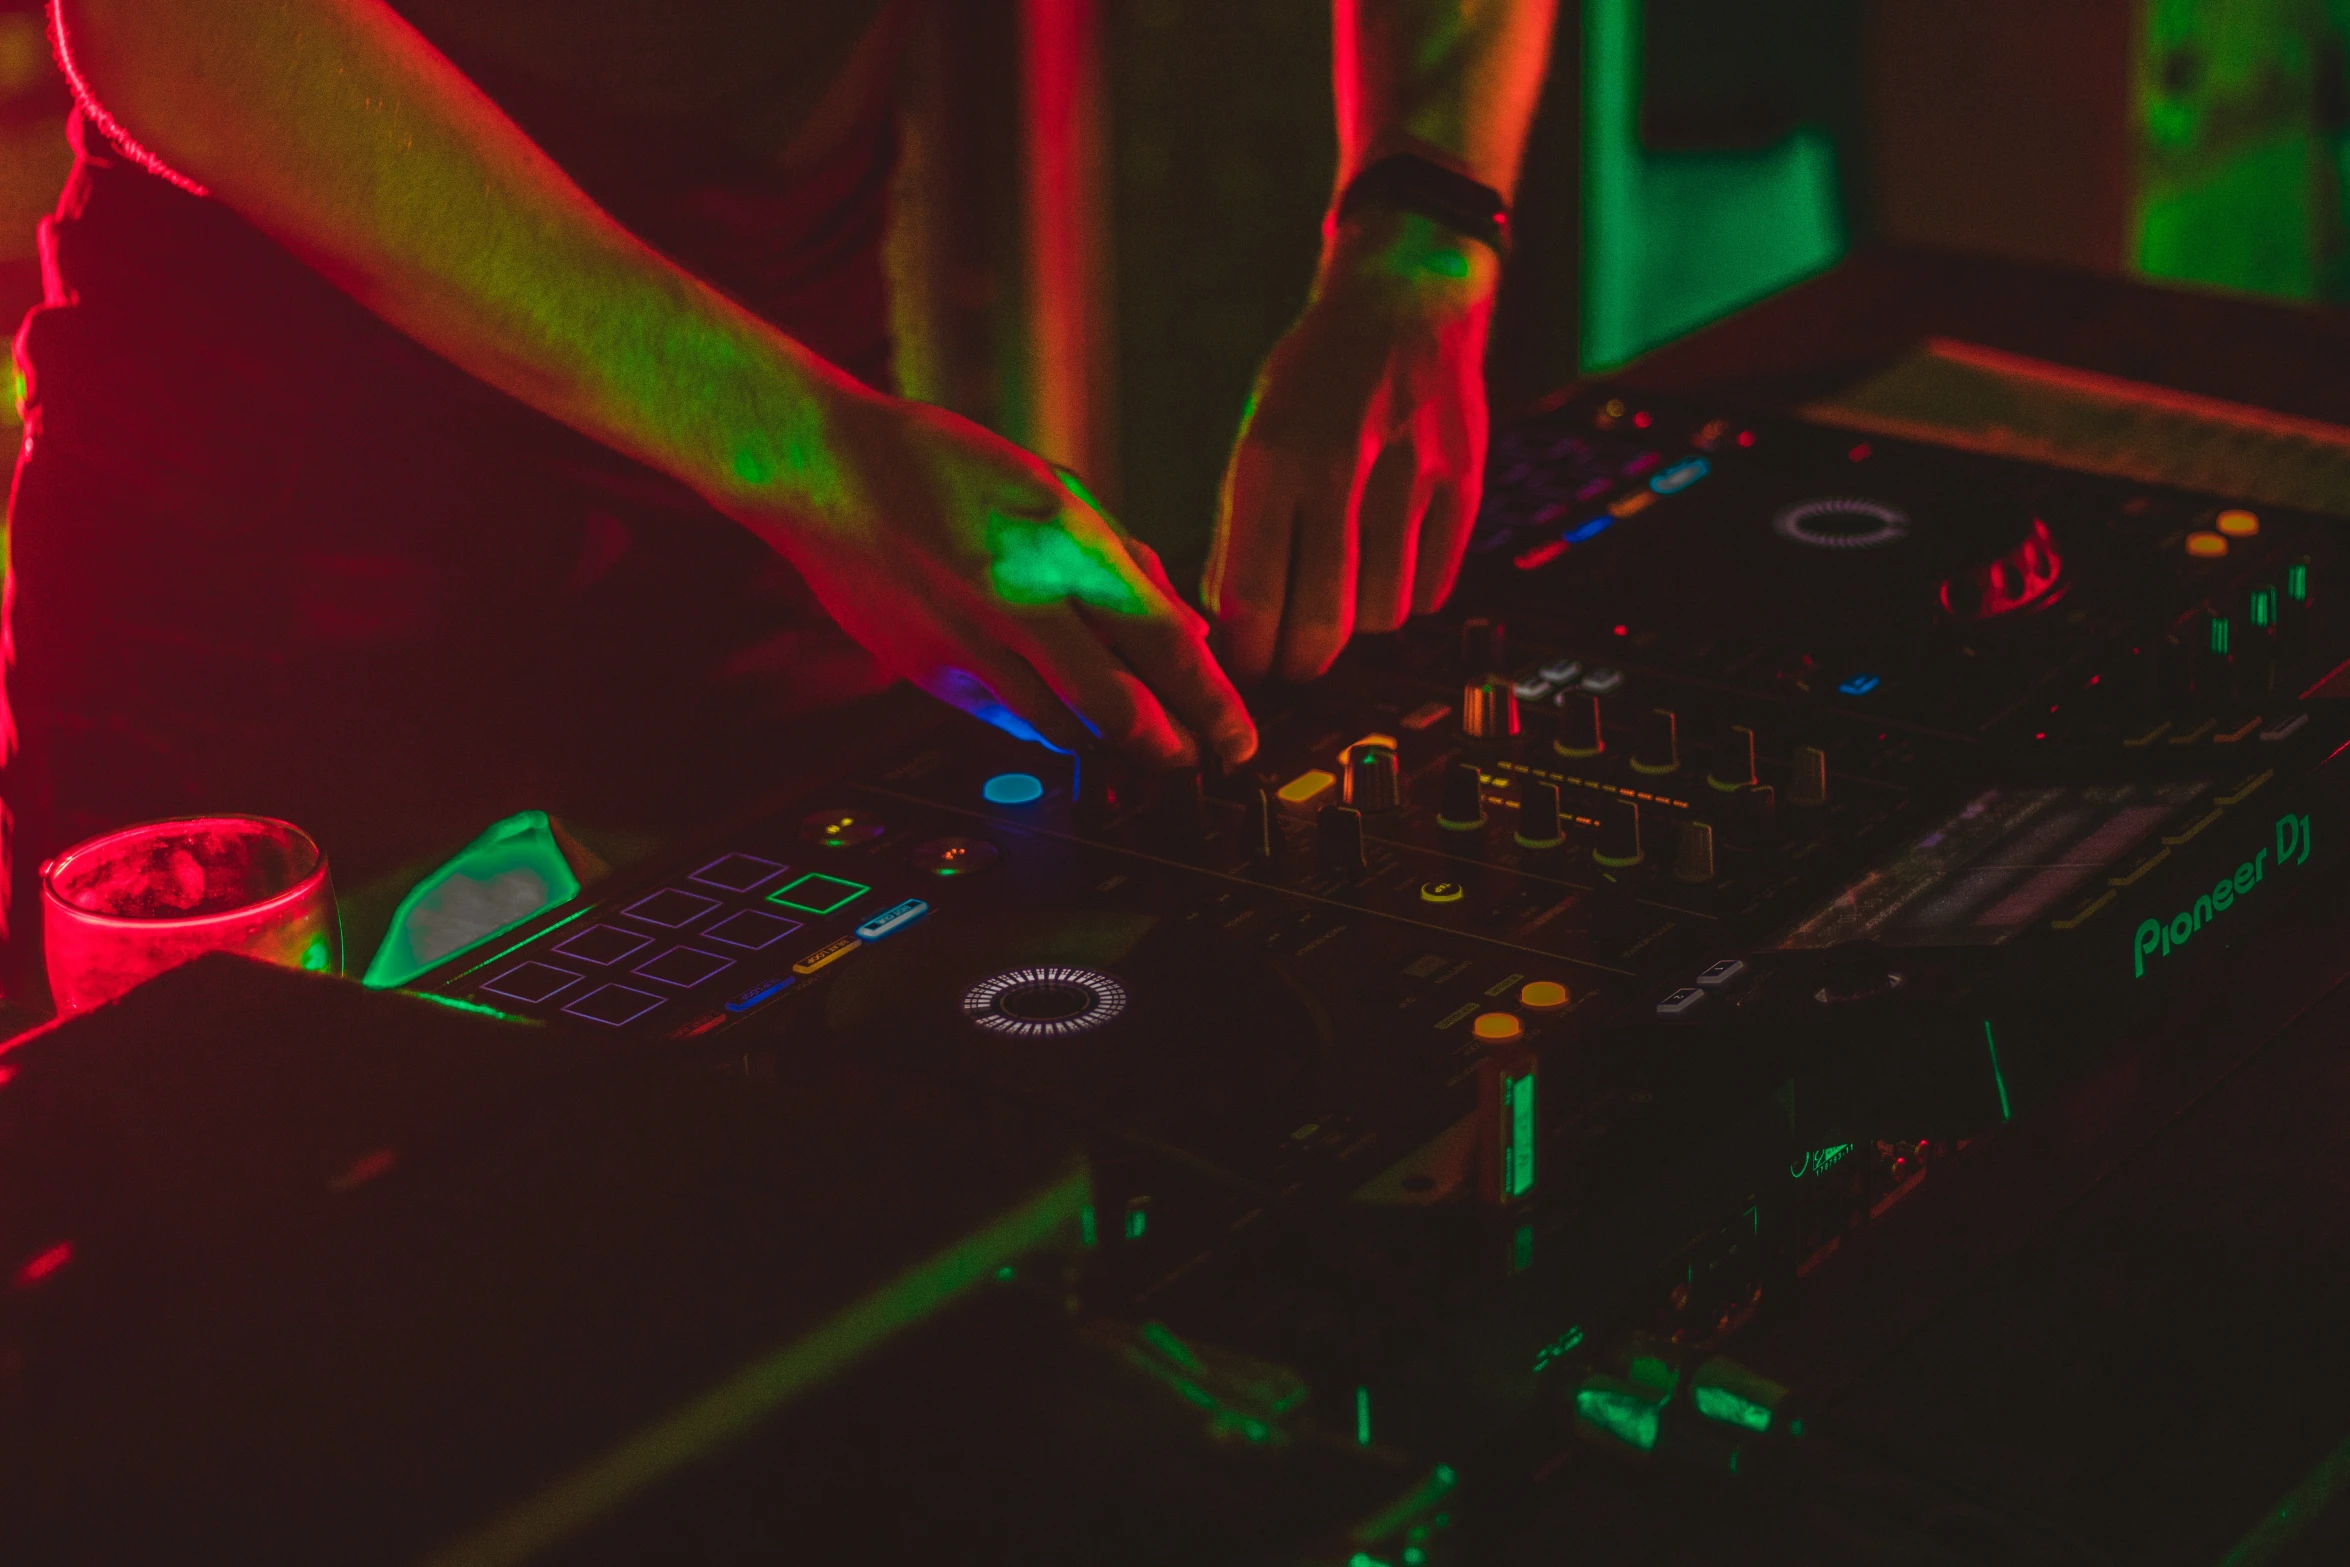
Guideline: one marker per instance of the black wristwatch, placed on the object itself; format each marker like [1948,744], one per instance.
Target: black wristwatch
[1410,183]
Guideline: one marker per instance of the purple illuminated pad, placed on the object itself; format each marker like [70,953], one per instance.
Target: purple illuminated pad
[613,1005]
[738,872]
[751,930]
[672,908]
[683,966]
[604,944]
[532,982]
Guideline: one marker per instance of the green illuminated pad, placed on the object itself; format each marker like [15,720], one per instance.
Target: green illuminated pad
[819,894]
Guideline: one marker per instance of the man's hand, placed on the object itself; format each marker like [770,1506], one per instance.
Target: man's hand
[1350,494]
[968,566]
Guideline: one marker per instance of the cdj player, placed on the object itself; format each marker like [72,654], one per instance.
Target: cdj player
[1773,819]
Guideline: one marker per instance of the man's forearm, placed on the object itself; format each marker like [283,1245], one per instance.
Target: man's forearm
[335,128]
[1457,79]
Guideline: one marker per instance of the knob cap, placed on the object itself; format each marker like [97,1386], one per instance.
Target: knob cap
[1538,815]
[1484,647]
[1579,733]
[1619,834]
[1338,839]
[1489,708]
[1257,831]
[1693,860]
[1733,764]
[1658,749]
[1463,806]
[1807,784]
[1756,813]
[1373,780]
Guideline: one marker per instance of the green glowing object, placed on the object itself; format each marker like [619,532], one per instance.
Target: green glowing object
[1040,562]
[1522,1249]
[1622,1414]
[2264,606]
[318,956]
[1362,1417]
[2297,582]
[736,1406]
[1998,1077]
[2295,840]
[1006,1274]
[2219,634]
[508,874]
[1820,1160]
[1136,1222]
[1086,1233]
[1557,1349]
[1731,1409]
[1517,1136]
[475,1007]
[1673,240]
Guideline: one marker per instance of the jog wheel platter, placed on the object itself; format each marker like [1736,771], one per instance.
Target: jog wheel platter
[1050,1002]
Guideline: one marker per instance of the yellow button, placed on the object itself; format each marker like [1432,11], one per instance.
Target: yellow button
[1544,995]
[1497,1028]
[830,952]
[1442,892]
[1308,786]
[2237,523]
[2207,546]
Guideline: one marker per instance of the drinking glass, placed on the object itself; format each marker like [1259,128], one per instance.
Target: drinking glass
[129,904]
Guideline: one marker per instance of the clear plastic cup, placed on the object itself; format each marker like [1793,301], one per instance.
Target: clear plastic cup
[127,905]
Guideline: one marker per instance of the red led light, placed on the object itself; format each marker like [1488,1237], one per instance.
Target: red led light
[1642,420]
[1623,631]
[1540,555]
[43,1265]
[1746,437]
[1859,453]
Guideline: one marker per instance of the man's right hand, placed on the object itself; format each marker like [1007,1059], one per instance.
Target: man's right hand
[968,566]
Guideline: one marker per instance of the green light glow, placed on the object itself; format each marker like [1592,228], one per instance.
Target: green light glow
[2295,840]
[1037,562]
[510,874]
[2297,582]
[1086,1233]
[1411,1505]
[1517,1136]
[318,956]
[2219,634]
[1522,1249]
[2264,606]
[1362,1417]
[1998,1077]
[1557,1349]
[730,1410]
[1820,1160]
[1137,1220]
[1719,1403]
[1622,1414]
[475,1007]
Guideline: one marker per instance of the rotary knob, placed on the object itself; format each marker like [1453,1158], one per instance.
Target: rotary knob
[1338,840]
[1463,807]
[1579,734]
[1807,778]
[1489,708]
[1619,834]
[1538,815]
[1373,780]
[1733,764]
[1658,749]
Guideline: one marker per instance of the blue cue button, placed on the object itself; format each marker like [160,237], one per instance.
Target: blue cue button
[749,1000]
[1860,685]
[1012,789]
[889,920]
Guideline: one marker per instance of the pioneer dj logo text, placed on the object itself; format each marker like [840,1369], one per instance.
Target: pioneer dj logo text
[2156,938]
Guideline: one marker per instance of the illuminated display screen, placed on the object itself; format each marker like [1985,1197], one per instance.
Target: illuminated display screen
[2002,862]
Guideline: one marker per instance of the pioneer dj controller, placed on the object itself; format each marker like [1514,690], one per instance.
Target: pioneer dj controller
[1773,817]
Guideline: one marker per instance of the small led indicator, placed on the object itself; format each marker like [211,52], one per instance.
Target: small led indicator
[819,894]
[2219,635]
[1860,685]
[1012,789]
[2297,582]
[1517,1100]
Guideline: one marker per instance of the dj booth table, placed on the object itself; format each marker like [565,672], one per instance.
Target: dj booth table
[1070,1170]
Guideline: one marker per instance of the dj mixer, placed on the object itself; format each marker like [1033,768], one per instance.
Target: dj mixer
[1772,819]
